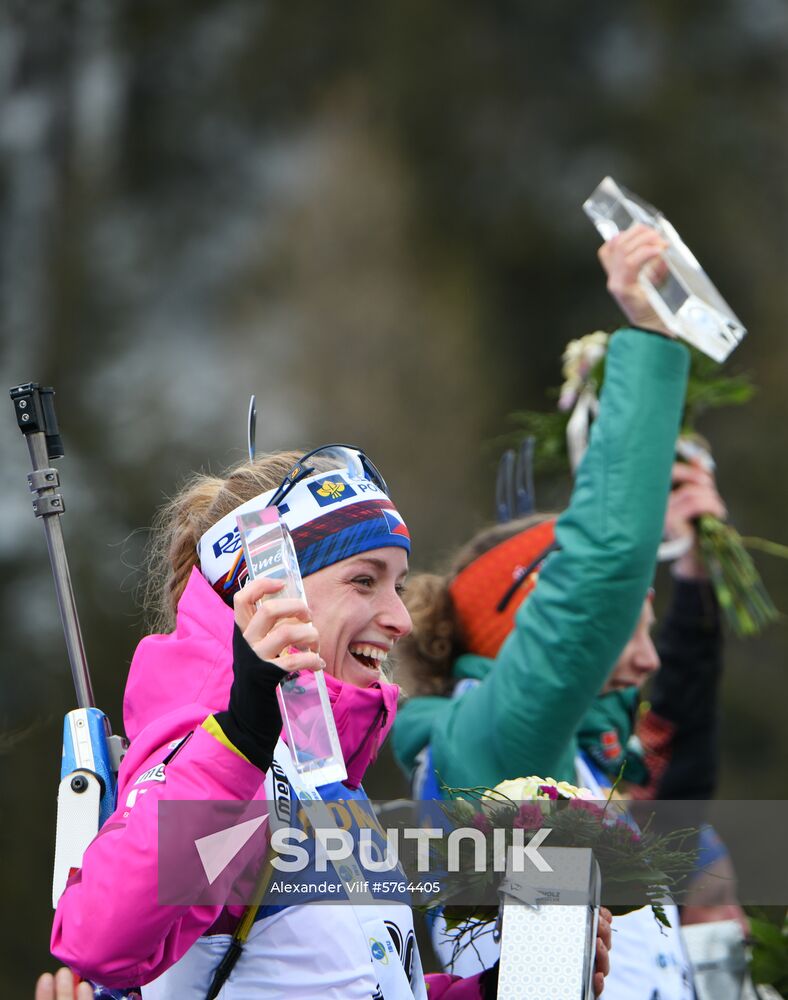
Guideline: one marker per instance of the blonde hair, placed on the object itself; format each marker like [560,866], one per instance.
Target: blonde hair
[180,523]
[425,658]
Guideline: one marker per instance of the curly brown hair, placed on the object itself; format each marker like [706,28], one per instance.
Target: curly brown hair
[425,657]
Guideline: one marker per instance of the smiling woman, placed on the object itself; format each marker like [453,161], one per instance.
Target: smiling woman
[367,616]
[202,714]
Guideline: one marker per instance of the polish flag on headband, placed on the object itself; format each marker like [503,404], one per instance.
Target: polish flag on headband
[331,515]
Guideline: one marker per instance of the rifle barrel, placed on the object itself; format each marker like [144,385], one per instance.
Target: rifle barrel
[39,455]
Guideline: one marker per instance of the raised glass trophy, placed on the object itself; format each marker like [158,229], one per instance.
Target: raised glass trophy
[685,300]
[303,697]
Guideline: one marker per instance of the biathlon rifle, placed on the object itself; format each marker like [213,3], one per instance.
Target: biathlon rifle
[91,754]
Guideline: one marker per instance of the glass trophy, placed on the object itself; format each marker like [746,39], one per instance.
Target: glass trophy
[685,300]
[303,697]
[556,913]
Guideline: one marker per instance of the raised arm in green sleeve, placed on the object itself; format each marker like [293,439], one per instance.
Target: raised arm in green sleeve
[521,718]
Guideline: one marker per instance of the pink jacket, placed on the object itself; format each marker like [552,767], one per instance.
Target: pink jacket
[108,925]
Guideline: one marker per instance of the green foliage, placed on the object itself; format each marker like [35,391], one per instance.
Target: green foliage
[740,591]
[548,428]
[709,389]
[769,963]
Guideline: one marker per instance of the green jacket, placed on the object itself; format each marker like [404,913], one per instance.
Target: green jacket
[522,718]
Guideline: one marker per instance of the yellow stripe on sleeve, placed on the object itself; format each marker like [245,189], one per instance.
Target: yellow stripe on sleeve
[213,727]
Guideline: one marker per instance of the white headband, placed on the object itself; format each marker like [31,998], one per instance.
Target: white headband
[331,516]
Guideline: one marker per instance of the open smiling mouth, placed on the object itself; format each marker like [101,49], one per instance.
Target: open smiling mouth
[368,656]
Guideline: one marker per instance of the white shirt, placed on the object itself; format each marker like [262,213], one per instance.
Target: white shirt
[298,953]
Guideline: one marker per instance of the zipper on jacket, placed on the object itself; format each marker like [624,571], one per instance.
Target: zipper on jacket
[377,723]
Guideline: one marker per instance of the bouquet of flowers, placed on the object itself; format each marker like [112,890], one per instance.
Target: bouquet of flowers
[637,865]
[740,591]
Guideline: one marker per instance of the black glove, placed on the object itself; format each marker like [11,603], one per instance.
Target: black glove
[252,721]
[488,982]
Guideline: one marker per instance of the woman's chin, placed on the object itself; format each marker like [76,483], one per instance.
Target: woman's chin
[358,674]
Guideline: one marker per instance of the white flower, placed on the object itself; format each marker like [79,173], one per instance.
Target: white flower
[570,390]
[516,789]
[579,359]
[568,791]
[522,789]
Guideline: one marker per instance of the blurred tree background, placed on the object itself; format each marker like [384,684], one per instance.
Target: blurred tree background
[369,215]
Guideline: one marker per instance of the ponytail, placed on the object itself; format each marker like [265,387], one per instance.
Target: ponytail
[172,554]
